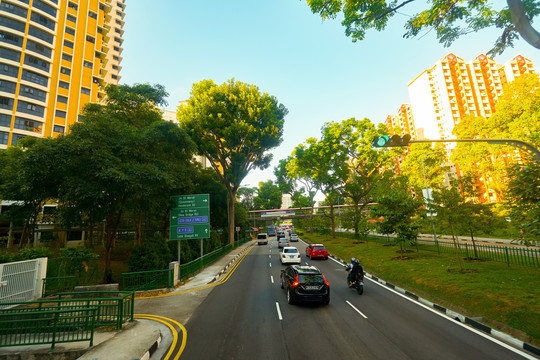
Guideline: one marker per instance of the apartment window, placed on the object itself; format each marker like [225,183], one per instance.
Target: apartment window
[60,114]
[6,103]
[7,86]
[4,136]
[67,57]
[116,58]
[37,63]
[73,6]
[88,64]
[118,40]
[118,22]
[30,108]
[15,138]
[114,77]
[40,34]
[115,67]
[58,129]
[35,78]
[65,71]
[119,13]
[10,54]
[62,99]
[63,84]
[85,91]
[68,43]
[116,48]
[38,4]
[13,9]
[32,93]
[38,48]
[10,38]
[70,31]
[27,124]
[12,24]
[90,39]
[99,30]
[43,20]
[9,70]
[72,18]
[116,30]
[5,120]
[92,14]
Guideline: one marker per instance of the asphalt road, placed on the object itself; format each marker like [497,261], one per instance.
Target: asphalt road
[248,318]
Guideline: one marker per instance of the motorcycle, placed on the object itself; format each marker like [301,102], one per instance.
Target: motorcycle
[357,283]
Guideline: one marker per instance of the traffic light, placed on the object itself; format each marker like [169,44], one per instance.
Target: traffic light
[391,141]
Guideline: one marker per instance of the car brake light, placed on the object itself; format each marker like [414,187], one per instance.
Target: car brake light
[282,255]
[295,283]
[326,281]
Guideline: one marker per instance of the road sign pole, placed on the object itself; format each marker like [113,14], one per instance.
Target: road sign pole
[179,260]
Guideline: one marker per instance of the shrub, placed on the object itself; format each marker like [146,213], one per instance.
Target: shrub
[153,254]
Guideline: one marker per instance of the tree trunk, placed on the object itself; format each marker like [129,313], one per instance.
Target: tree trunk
[110,238]
[138,228]
[473,244]
[230,210]
[522,23]
[10,235]
[458,256]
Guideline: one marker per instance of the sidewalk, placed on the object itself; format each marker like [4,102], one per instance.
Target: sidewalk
[140,339]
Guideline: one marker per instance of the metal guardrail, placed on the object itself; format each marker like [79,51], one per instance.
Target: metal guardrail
[511,255]
[54,284]
[47,327]
[113,307]
[148,280]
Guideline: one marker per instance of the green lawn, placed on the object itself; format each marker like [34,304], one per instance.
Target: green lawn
[508,298]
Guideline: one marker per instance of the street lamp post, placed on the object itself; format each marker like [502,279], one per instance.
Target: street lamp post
[429,196]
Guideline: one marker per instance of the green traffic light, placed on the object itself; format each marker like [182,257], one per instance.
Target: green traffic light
[381,141]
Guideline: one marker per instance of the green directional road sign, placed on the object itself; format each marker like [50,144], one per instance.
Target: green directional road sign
[190,218]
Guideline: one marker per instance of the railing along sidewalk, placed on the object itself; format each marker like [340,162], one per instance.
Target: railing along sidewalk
[47,327]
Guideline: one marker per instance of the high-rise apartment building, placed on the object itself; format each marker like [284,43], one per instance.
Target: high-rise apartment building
[55,56]
[404,120]
[452,89]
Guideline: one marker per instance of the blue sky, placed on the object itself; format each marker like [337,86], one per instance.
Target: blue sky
[309,65]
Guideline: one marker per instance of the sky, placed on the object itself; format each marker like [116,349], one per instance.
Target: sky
[308,64]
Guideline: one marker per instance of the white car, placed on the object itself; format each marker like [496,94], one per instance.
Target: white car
[289,255]
[294,237]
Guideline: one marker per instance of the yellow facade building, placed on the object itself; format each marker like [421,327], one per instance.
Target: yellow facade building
[55,56]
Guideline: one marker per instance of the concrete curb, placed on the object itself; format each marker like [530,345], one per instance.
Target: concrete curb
[230,263]
[454,315]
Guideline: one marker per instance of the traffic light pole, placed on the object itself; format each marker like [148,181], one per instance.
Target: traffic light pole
[535,153]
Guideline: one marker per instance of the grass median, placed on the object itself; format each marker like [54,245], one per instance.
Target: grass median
[506,298]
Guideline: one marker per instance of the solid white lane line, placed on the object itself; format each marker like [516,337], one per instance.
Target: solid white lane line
[358,311]
[272,278]
[278,311]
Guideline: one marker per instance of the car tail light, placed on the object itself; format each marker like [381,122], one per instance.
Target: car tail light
[326,281]
[282,255]
[295,283]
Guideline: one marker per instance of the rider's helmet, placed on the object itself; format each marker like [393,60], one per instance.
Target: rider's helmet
[354,261]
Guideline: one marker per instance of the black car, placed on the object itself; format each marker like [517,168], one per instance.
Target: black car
[305,283]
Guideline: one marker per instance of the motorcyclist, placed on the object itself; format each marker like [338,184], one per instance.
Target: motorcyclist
[354,269]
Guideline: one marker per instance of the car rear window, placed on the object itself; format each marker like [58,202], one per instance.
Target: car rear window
[261,236]
[319,248]
[310,278]
[290,251]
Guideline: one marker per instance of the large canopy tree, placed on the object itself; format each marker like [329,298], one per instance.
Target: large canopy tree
[234,125]
[122,158]
[449,18]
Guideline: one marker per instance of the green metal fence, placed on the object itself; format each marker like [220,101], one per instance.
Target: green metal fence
[511,255]
[148,280]
[47,327]
[113,307]
[55,284]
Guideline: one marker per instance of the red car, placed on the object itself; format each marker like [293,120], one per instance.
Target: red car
[316,251]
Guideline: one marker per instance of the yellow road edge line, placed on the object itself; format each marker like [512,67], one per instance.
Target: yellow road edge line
[174,332]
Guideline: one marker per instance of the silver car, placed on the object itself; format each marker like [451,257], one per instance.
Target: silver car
[294,237]
[282,243]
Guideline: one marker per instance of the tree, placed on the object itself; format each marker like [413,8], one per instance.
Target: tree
[524,200]
[121,156]
[512,120]
[399,212]
[450,19]
[233,126]
[433,160]
[247,196]
[268,196]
